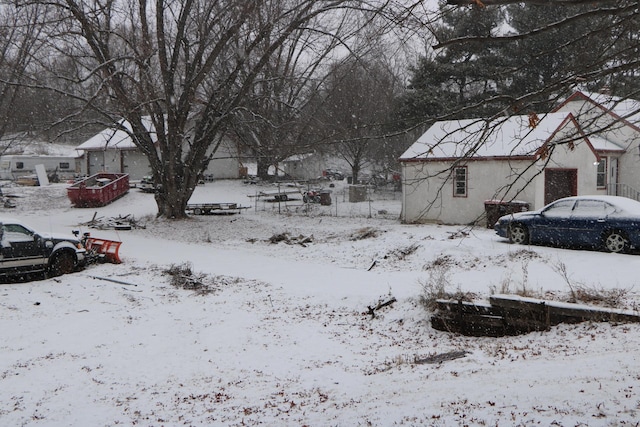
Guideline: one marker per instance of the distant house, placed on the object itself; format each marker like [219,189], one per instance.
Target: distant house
[21,152]
[583,147]
[113,150]
[303,166]
[19,165]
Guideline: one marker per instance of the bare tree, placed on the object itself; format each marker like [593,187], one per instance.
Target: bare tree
[357,101]
[19,43]
[177,71]
[274,119]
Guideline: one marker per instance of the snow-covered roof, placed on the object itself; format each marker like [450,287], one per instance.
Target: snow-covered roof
[24,145]
[601,144]
[628,109]
[503,137]
[298,157]
[113,138]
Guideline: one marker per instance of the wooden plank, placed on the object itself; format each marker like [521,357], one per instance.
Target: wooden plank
[513,315]
[465,307]
[559,312]
[470,325]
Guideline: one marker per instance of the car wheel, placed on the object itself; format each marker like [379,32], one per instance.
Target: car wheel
[518,234]
[616,242]
[63,263]
[197,211]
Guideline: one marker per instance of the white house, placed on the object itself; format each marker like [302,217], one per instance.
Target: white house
[614,124]
[21,152]
[303,166]
[455,167]
[14,166]
[113,150]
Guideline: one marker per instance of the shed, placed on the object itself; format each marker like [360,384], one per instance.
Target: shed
[113,150]
[454,167]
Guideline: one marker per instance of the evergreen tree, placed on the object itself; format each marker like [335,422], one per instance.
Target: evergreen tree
[566,50]
[456,80]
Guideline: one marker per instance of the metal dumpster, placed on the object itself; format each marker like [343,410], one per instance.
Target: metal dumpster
[494,209]
[325,198]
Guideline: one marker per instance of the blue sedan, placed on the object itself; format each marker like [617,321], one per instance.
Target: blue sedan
[611,223]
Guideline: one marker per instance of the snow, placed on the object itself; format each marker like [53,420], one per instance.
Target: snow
[628,109]
[602,144]
[22,144]
[117,137]
[506,136]
[282,335]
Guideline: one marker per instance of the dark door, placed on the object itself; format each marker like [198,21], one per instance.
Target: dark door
[559,183]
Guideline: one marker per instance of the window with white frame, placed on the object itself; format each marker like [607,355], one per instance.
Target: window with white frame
[460,182]
[601,177]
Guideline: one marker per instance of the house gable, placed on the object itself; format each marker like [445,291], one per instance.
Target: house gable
[114,150]
[624,111]
[503,162]
[516,137]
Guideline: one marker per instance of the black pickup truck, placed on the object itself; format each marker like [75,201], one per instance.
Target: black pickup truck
[24,251]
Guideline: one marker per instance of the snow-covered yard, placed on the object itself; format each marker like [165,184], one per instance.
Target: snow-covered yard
[279,334]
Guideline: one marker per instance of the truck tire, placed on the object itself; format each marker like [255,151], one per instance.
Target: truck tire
[62,263]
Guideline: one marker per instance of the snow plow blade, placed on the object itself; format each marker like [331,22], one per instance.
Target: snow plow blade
[103,249]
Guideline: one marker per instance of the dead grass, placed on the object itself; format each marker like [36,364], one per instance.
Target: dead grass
[183,277]
[612,298]
[365,233]
[401,253]
[436,285]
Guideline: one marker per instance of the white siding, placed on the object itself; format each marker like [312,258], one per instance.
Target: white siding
[15,166]
[224,165]
[428,188]
[135,164]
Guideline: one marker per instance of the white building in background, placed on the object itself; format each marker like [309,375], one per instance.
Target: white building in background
[19,165]
[21,152]
[589,145]
[113,150]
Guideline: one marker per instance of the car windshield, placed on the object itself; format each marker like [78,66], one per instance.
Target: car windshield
[16,233]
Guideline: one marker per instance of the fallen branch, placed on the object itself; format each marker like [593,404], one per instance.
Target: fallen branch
[442,357]
[121,282]
[126,222]
[372,310]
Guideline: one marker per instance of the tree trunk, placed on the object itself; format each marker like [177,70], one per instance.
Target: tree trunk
[355,171]
[172,204]
[263,168]
[177,188]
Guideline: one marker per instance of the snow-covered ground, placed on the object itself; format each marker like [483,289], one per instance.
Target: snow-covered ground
[279,335]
